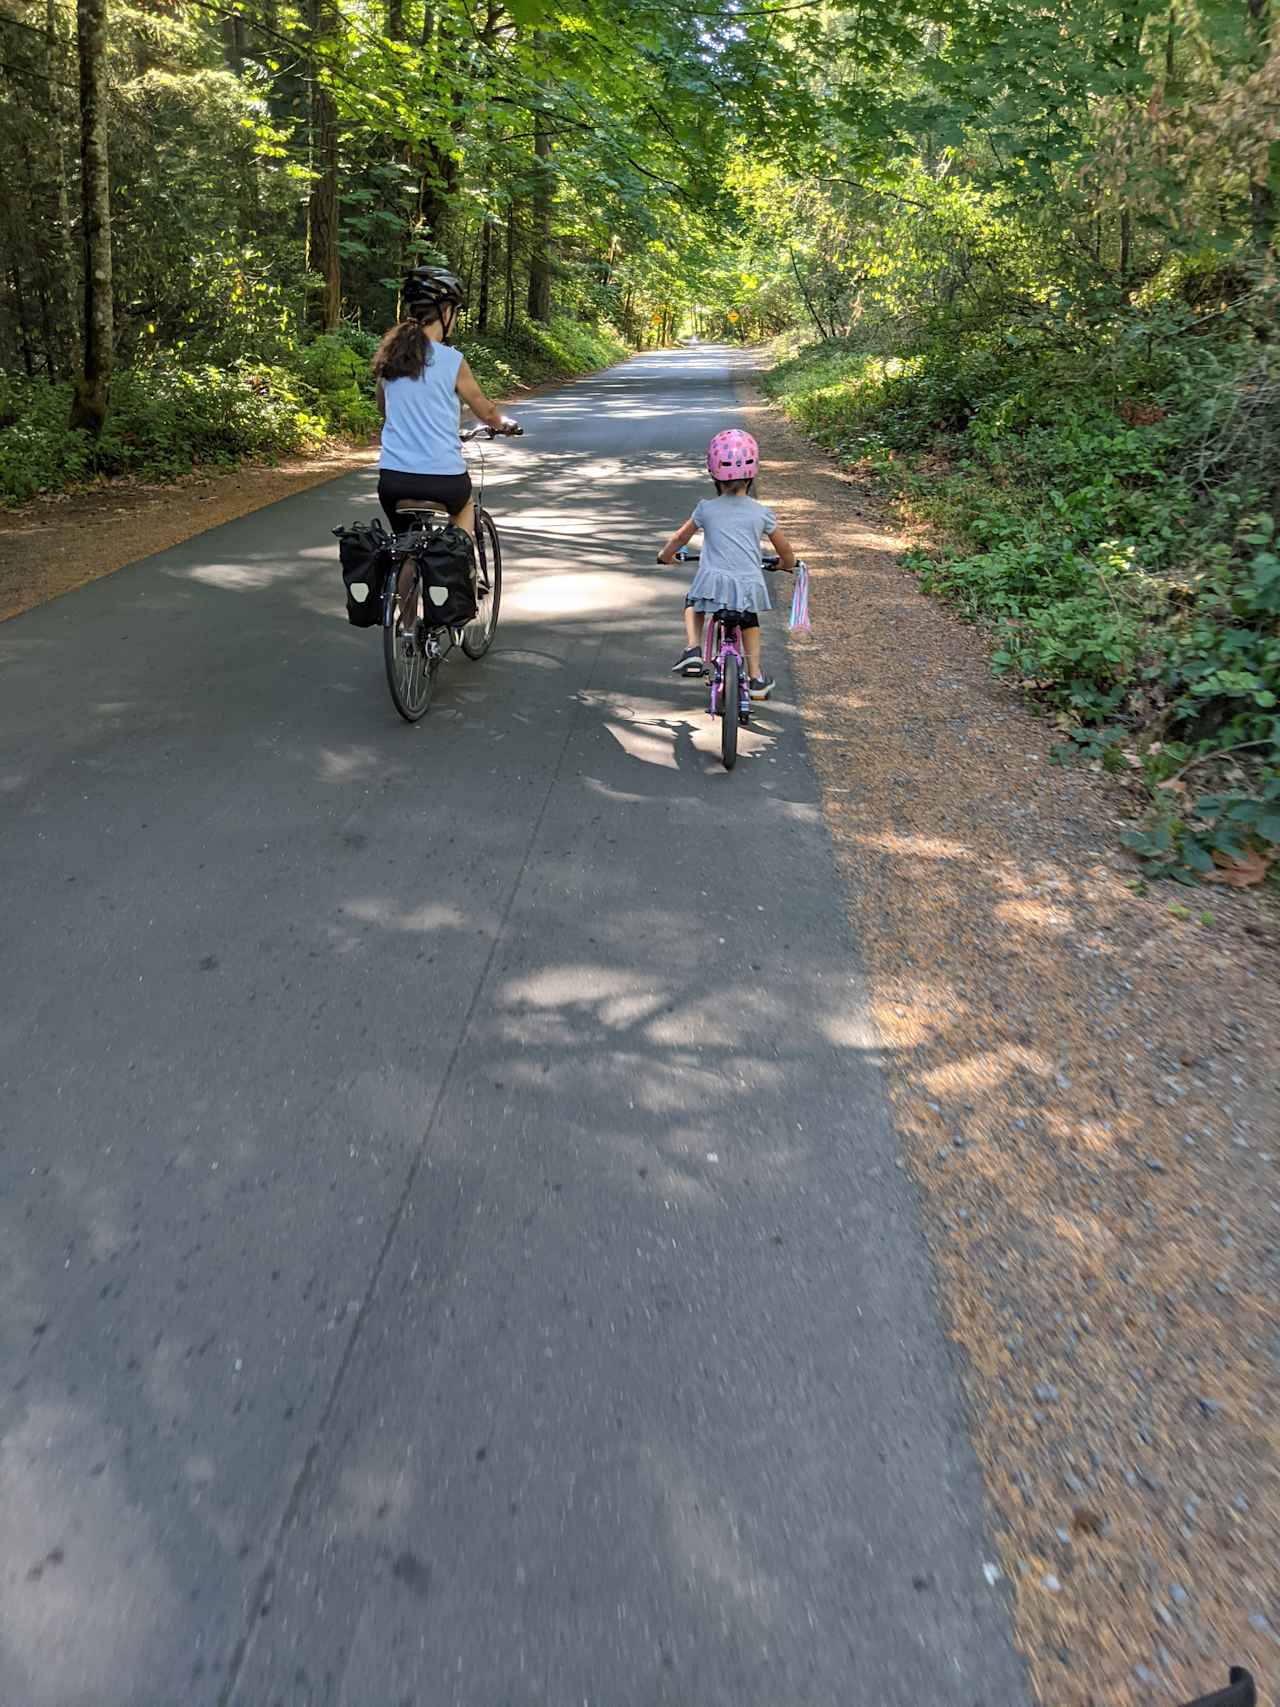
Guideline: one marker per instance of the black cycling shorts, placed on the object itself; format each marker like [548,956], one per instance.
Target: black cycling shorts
[451,490]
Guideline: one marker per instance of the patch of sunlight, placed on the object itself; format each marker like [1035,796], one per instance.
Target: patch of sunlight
[574,985]
[980,1073]
[625,1011]
[714,1028]
[1087,1235]
[1033,915]
[351,765]
[431,916]
[651,747]
[1096,1135]
[584,523]
[87,1594]
[802,811]
[917,847]
[851,1031]
[596,786]
[246,577]
[555,594]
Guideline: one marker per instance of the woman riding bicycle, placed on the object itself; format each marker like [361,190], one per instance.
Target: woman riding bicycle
[420,381]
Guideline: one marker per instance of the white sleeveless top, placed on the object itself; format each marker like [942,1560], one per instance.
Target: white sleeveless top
[420,433]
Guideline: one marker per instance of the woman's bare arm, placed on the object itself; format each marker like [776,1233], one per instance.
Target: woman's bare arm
[683,534]
[480,406]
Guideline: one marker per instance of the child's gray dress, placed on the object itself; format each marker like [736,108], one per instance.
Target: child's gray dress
[729,574]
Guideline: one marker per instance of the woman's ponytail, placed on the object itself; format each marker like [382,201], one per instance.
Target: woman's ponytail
[403,353]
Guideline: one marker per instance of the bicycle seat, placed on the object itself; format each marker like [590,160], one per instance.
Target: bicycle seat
[423,510]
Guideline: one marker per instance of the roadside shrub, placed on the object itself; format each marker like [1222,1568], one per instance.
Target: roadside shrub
[533,353]
[167,417]
[1107,492]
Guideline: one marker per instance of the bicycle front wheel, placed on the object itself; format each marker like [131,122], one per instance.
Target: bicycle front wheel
[730,705]
[411,669]
[477,636]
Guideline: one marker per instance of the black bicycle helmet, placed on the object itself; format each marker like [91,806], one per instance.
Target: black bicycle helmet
[426,290]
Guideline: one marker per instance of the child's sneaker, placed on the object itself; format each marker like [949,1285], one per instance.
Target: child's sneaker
[689,663]
[760,687]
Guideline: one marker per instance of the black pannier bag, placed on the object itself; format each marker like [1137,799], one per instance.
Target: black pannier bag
[447,559]
[365,553]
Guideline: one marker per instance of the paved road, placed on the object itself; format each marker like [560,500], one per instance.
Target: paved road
[451,1247]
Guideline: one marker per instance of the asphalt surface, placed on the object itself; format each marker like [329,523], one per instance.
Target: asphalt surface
[451,1242]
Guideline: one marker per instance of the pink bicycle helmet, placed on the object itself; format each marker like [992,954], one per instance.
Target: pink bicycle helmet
[733,455]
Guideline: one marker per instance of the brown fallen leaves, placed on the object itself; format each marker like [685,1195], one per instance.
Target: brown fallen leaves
[1240,873]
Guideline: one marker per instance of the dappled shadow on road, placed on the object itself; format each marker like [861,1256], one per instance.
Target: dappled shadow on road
[653,1142]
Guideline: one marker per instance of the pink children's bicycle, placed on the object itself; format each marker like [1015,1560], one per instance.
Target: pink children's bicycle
[726,667]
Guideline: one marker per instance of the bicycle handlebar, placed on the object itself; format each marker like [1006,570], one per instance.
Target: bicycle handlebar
[513,432]
[772,562]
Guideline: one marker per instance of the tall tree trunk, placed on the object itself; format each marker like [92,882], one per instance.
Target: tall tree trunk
[89,409]
[808,300]
[322,208]
[249,210]
[60,256]
[540,239]
[21,326]
[1266,169]
[233,42]
[395,20]
[439,188]
[486,273]
[509,304]
[1126,245]
[44,272]
[437,169]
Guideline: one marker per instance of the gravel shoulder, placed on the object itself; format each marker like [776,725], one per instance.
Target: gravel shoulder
[1087,1087]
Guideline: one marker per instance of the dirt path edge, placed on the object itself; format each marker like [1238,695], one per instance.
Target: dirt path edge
[1087,1088]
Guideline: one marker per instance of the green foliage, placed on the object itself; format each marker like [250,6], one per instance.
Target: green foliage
[1094,479]
[533,354]
[166,419]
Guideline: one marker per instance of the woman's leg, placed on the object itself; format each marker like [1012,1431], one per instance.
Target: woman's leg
[466,519]
[751,646]
[693,625]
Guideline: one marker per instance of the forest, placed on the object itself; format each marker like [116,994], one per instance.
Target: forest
[1017,259]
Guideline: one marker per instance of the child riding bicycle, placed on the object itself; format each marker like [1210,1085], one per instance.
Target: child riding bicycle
[729,574]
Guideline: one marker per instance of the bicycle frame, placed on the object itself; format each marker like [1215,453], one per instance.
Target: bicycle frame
[719,641]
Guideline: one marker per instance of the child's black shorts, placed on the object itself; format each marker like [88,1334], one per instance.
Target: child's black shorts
[748,618]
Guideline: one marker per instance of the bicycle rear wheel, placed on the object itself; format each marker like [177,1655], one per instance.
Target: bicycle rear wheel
[411,662]
[477,636]
[730,705]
